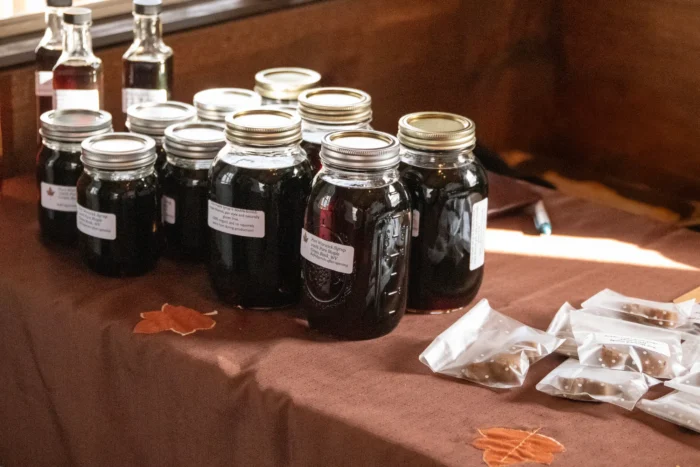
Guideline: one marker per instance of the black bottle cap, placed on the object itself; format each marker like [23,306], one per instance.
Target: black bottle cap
[148,7]
[59,3]
[77,16]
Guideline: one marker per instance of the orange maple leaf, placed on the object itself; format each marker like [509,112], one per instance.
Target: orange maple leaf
[179,319]
[505,446]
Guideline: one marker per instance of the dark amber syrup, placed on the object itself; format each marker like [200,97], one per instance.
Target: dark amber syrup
[313,153]
[79,77]
[149,75]
[45,61]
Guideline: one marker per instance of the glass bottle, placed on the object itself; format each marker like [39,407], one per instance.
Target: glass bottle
[58,168]
[356,238]
[283,85]
[213,105]
[77,76]
[449,192]
[118,208]
[259,184]
[47,53]
[148,63]
[152,118]
[191,149]
[325,110]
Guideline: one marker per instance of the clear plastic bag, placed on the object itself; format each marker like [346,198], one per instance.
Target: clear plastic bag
[621,345]
[637,310]
[586,383]
[561,328]
[489,348]
[680,408]
[688,383]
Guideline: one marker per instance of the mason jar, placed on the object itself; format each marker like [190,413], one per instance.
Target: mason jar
[325,110]
[356,238]
[152,118]
[213,105]
[283,85]
[118,211]
[191,149]
[259,184]
[449,193]
[58,168]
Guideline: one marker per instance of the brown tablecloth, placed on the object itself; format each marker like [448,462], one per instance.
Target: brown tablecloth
[78,388]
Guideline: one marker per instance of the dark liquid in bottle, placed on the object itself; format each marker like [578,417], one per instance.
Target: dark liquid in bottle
[188,237]
[137,209]
[313,153]
[57,168]
[79,77]
[149,75]
[45,61]
[441,279]
[260,272]
[370,301]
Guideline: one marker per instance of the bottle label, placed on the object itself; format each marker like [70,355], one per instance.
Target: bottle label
[234,221]
[58,197]
[330,255]
[131,96]
[478,231]
[43,83]
[167,209]
[76,99]
[97,224]
[415,231]
[602,338]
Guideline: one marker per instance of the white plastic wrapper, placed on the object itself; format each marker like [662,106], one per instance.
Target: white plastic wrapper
[688,383]
[621,345]
[561,328]
[586,383]
[489,348]
[680,408]
[637,310]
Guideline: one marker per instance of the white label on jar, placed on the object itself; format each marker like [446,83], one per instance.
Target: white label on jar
[479,213]
[416,223]
[77,99]
[329,255]
[97,224]
[234,221]
[602,338]
[131,96]
[58,197]
[43,83]
[167,209]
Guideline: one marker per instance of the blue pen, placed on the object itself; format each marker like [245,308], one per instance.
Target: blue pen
[541,218]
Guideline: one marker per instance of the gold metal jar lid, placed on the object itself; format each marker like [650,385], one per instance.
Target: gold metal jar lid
[119,151]
[436,131]
[285,83]
[263,127]
[360,150]
[335,106]
[214,104]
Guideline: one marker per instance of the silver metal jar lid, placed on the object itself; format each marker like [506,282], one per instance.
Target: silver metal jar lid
[77,16]
[152,118]
[195,140]
[148,7]
[74,125]
[263,127]
[285,83]
[360,150]
[119,151]
[59,3]
[437,131]
[215,104]
[335,106]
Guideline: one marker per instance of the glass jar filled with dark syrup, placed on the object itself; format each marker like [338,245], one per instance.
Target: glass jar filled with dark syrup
[356,238]
[213,105]
[449,192]
[259,185]
[58,168]
[47,52]
[325,110]
[191,149]
[283,85]
[152,118]
[148,63]
[77,76]
[118,208]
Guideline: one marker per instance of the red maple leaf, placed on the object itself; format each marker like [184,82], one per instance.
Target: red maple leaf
[50,192]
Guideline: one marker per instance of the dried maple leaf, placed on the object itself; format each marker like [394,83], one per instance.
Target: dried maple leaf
[179,319]
[505,446]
